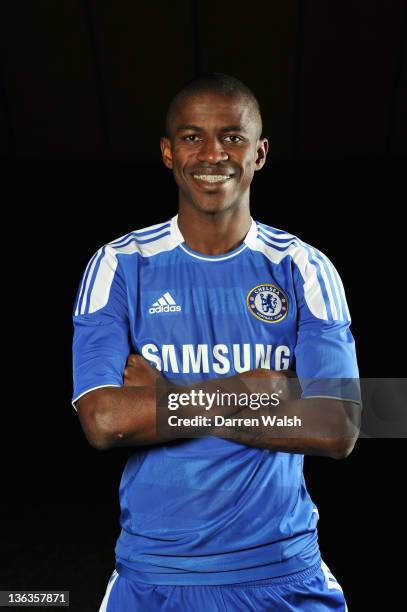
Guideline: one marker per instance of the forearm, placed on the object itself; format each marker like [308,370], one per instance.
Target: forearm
[312,426]
[127,416]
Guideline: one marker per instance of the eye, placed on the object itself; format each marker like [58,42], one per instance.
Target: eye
[190,138]
[236,138]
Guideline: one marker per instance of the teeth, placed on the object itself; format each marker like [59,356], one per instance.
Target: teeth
[212,178]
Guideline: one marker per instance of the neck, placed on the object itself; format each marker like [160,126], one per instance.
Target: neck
[213,233]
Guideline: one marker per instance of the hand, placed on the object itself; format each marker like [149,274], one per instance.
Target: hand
[139,373]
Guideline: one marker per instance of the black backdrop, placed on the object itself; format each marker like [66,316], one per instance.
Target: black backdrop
[81,168]
[61,515]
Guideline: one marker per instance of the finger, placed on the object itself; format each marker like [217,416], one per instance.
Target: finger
[131,369]
[133,359]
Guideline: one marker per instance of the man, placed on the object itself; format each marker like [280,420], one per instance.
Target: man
[210,298]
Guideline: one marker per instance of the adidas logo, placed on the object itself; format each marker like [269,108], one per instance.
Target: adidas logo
[166,303]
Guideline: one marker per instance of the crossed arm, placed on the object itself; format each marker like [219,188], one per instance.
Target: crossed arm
[126,416]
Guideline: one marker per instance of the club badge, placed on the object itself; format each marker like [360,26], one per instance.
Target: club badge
[267,303]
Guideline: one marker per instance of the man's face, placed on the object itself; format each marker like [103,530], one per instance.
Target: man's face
[214,151]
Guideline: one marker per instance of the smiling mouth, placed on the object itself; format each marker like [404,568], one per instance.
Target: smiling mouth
[213,178]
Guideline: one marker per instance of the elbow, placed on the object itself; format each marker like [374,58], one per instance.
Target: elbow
[103,438]
[346,430]
[341,448]
[97,438]
[98,442]
[95,420]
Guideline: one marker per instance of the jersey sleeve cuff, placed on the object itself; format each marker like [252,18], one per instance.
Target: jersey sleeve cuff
[90,389]
[342,399]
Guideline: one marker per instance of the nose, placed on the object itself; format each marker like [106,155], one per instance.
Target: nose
[212,151]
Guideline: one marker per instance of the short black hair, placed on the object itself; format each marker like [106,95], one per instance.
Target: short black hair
[217,83]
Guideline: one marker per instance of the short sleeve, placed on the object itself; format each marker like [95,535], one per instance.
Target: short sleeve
[101,327]
[325,354]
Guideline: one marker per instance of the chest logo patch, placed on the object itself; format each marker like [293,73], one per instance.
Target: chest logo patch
[267,303]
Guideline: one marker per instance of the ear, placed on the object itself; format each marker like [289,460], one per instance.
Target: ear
[166,151]
[261,153]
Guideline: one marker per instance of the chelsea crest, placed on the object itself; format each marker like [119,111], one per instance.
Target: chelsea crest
[267,303]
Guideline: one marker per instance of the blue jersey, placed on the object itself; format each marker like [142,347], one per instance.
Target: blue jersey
[209,510]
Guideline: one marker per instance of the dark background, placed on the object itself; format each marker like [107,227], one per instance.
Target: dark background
[83,91]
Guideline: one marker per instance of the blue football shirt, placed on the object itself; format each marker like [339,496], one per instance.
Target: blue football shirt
[210,510]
